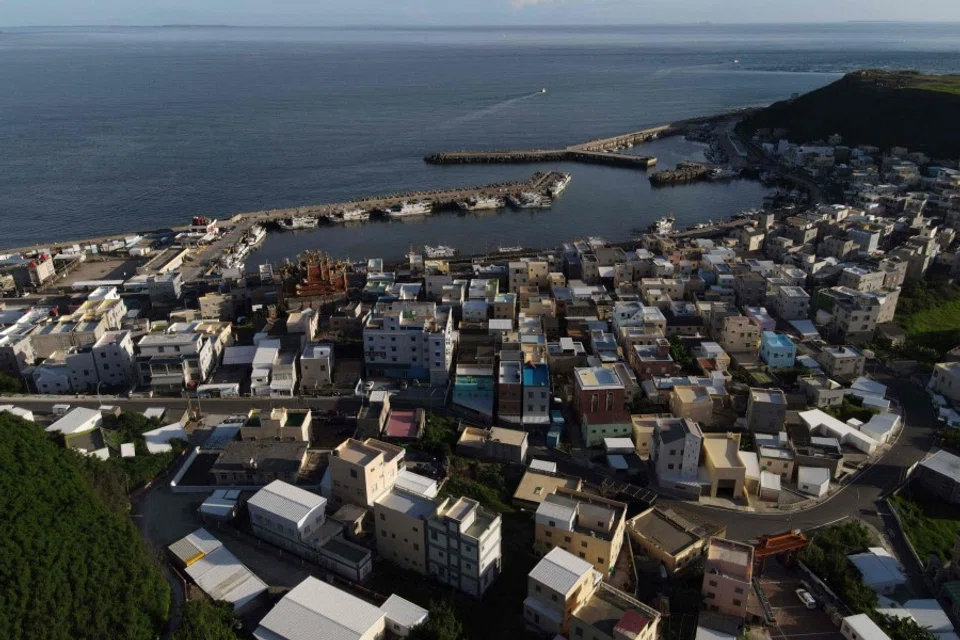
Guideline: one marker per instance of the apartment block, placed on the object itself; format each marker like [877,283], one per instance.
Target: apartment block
[463,545]
[115,360]
[400,528]
[168,362]
[675,452]
[582,524]
[766,410]
[846,361]
[739,335]
[362,472]
[559,585]
[792,303]
[316,366]
[727,576]
[409,340]
[777,350]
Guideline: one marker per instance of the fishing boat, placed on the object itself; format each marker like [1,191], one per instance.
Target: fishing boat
[663,225]
[531,200]
[557,187]
[297,223]
[511,249]
[355,214]
[418,208]
[481,203]
[439,251]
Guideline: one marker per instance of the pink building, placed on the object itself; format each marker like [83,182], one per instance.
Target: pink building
[726,577]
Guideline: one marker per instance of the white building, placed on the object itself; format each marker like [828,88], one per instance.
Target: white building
[283,510]
[880,570]
[819,422]
[264,360]
[114,357]
[861,627]
[79,420]
[215,570]
[316,366]
[170,361]
[675,451]
[473,533]
[409,340]
[69,370]
[403,615]
[814,481]
[315,610]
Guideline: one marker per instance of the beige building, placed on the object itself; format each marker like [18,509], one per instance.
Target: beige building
[537,484]
[738,334]
[692,402]
[586,525]
[727,575]
[946,380]
[362,472]
[610,614]
[643,428]
[725,470]
[400,528]
[845,361]
[559,585]
[277,424]
[671,538]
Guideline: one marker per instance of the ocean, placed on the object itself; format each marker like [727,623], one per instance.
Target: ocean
[107,130]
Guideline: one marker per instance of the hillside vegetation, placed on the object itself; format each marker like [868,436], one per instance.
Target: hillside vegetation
[70,565]
[885,109]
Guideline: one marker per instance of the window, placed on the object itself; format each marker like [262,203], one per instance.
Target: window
[712,583]
[383,517]
[711,595]
[583,544]
[548,534]
[583,555]
[578,632]
[737,590]
[552,523]
[669,466]
[609,401]
[736,603]
[433,535]
[353,474]
[536,588]
[553,597]
[567,539]
[594,403]
[599,560]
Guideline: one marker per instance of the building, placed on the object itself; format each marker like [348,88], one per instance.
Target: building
[303,322]
[400,528]
[727,577]
[463,545]
[78,420]
[775,456]
[821,391]
[559,585]
[777,351]
[402,615]
[939,474]
[675,451]
[766,410]
[165,289]
[610,614]
[496,443]
[409,340]
[726,474]
[217,306]
[814,481]
[71,370]
[215,570]
[278,424]
[536,394]
[946,380]
[692,402]
[362,472]
[599,402]
[537,484]
[739,335]
[880,570]
[844,362]
[168,362]
[854,315]
[510,390]
[252,463]
[821,423]
[316,366]
[115,360]
[671,538]
[315,610]
[583,524]
[792,303]
[861,627]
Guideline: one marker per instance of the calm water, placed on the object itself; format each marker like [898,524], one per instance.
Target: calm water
[108,130]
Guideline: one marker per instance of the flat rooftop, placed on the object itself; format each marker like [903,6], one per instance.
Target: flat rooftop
[598,378]
[402,424]
[670,530]
[536,486]
[723,451]
[768,396]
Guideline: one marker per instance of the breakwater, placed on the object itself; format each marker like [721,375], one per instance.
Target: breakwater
[684,172]
[545,155]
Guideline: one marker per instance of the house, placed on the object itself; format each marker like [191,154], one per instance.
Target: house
[462,524]
[361,472]
[939,474]
[496,443]
[70,370]
[400,528]
[880,570]
[556,587]
[315,610]
[692,402]
[316,366]
[215,570]
[739,335]
[727,576]
[510,390]
[861,627]
[774,455]
[402,615]
[845,362]
[675,452]
[168,362]
[819,422]
[777,351]
[792,303]
[814,481]
[279,423]
[725,471]
[252,463]
[303,322]
[821,391]
[536,394]
[115,360]
[599,402]
[946,380]
[610,614]
[671,538]
[766,410]
[537,484]
[584,524]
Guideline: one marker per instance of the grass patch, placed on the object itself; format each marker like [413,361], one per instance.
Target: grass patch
[929,313]
[485,482]
[851,408]
[930,523]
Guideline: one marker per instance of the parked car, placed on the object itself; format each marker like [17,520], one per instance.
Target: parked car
[808,600]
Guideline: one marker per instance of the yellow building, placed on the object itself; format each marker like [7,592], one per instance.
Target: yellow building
[558,586]
[588,526]
[361,472]
[610,614]
[399,524]
[725,470]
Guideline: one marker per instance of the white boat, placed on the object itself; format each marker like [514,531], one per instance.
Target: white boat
[543,90]
[531,200]
[440,251]
[512,249]
[299,222]
[663,225]
[254,236]
[418,208]
[481,203]
[355,214]
[557,187]
[723,174]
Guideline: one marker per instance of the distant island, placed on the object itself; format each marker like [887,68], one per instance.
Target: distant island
[882,108]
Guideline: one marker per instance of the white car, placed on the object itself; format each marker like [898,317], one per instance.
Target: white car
[808,600]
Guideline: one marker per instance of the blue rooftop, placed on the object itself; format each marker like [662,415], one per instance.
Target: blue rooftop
[777,340]
[536,375]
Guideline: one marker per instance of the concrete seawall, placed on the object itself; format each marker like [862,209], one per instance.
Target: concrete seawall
[546,155]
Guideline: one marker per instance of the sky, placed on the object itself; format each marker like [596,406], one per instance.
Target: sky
[464,12]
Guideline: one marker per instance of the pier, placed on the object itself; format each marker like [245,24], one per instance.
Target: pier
[542,155]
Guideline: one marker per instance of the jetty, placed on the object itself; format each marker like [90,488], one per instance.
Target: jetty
[684,172]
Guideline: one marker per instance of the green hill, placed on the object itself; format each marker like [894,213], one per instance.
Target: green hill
[70,566]
[885,109]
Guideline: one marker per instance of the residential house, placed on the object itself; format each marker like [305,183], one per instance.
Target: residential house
[463,545]
[257,463]
[409,340]
[599,402]
[559,585]
[739,335]
[168,362]
[583,524]
[792,303]
[361,472]
[497,443]
[610,614]
[727,576]
[316,366]
[115,360]
[675,452]
[939,474]
[766,410]
[945,380]
[725,471]
[777,350]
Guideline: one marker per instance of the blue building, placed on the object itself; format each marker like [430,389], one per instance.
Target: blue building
[777,350]
[536,394]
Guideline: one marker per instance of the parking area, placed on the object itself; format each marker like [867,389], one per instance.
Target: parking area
[794,620]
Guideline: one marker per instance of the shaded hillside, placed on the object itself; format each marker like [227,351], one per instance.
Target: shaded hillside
[881,108]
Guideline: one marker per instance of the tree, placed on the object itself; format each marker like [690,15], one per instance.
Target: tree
[442,624]
[207,620]
[9,384]
[70,565]
[682,355]
[905,628]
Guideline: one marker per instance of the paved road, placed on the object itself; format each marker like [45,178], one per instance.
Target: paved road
[348,404]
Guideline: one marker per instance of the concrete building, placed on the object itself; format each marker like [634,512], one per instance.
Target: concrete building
[599,402]
[115,359]
[861,627]
[727,576]
[675,452]
[583,524]
[862,279]
[316,366]
[497,443]
[880,570]
[845,362]
[362,472]
[692,402]
[610,614]
[165,289]
[403,616]
[536,394]
[510,390]
[409,340]
[671,538]
[814,481]
[217,306]
[945,380]
[821,391]
[726,474]
[463,545]
[400,528]
[258,463]
[777,350]
[168,362]
[304,323]
[939,474]
[537,484]
[738,335]
[279,423]
[792,303]
[70,370]
[559,585]
[766,410]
